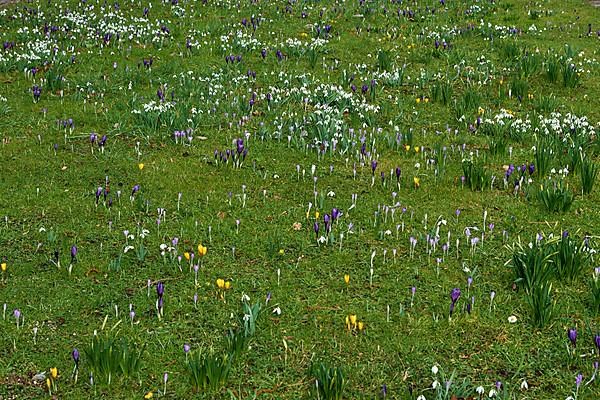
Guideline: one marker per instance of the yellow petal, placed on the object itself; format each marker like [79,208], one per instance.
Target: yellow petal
[3,267]
[347,279]
[227,285]
[149,395]
[141,166]
[220,283]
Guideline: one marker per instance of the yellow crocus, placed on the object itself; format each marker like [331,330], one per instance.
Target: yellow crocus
[202,250]
[149,395]
[353,320]
[347,279]
[3,267]
[220,283]
[417,182]
[417,148]
[317,215]
[141,166]
[418,100]
[361,325]
[54,372]
[227,285]
[187,256]
[407,147]
[281,251]
[480,111]
[48,383]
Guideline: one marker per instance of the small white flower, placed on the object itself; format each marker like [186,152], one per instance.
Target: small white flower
[42,229]
[421,397]
[162,246]
[127,248]
[434,370]
[277,311]
[435,384]
[492,393]
[524,385]
[331,193]
[480,390]
[512,319]
[245,298]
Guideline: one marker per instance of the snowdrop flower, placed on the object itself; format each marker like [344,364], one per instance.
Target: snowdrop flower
[524,385]
[245,298]
[512,319]
[127,248]
[277,311]
[435,384]
[434,370]
[492,393]
[331,193]
[480,390]
[421,397]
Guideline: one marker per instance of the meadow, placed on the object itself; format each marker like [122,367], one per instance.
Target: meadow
[250,199]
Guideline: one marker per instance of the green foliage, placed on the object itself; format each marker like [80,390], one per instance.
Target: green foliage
[109,357]
[532,264]
[555,196]
[595,291]
[544,155]
[519,88]
[384,60]
[208,372]
[441,92]
[546,104]
[528,65]
[588,174]
[476,177]
[570,74]
[539,299]
[553,69]
[329,382]
[570,259]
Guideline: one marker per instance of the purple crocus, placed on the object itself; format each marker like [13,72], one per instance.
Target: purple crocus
[597,342]
[572,335]
[335,213]
[373,166]
[73,253]
[75,355]
[454,296]
[316,228]
[160,289]
[186,348]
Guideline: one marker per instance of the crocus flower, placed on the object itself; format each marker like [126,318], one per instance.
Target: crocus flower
[73,252]
[572,335]
[454,296]
[160,289]
[75,355]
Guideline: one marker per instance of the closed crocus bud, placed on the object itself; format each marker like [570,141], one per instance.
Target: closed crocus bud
[186,348]
[572,335]
[455,294]
[73,252]
[160,289]
[75,355]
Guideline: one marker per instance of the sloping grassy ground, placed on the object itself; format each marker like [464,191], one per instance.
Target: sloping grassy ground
[92,62]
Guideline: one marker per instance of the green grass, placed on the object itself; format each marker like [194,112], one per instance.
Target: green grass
[432,97]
